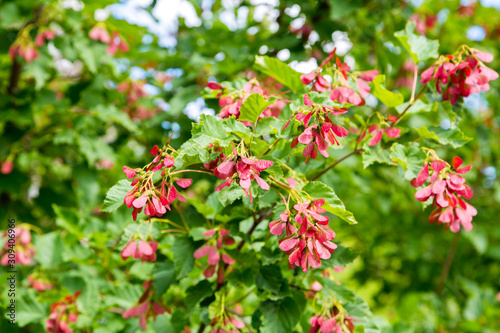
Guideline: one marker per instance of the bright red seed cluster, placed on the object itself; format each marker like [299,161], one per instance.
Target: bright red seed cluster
[146,193]
[311,241]
[115,41]
[340,90]
[447,190]
[461,74]
[62,314]
[331,322]
[322,133]
[24,248]
[147,306]
[237,166]
[214,251]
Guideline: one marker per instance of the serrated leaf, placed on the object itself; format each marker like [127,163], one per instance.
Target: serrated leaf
[417,106]
[340,257]
[252,108]
[453,137]
[183,250]
[163,276]
[279,316]
[115,196]
[447,108]
[410,159]
[319,190]
[334,205]
[420,48]
[230,194]
[354,304]
[280,71]
[197,293]
[389,98]
[374,154]
[29,310]
[269,278]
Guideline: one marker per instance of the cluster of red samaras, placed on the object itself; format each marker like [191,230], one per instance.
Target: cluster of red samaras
[378,130]
[231,100]
[140,249]
[21,247]
[214,251]
[133,90]
[155,200]
[115,41]
[62,314]
[237,167]
[312,241]
[322,132]
[331,322]
[146,306]
[26,49]
[446,189]
[340,90]
[462,74]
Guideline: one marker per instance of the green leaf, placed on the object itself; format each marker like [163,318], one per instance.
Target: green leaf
[178,320]
[197,293]
[280,316]
[68,219]
[447,108]
[280,71]
[182,251]
[111,113]
[319,190]
[49,248]
[389,98]
[340,257]
[211,126]
[374,154]
[269,278]
[410,159]
[252,108]
[215,308]
[417,106]
[115,196]
[29,310]
[453,137]
[354,304]
[163,276]
[230,194]
[419,47]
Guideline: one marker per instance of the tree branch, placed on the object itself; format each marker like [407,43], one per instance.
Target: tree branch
[356,151]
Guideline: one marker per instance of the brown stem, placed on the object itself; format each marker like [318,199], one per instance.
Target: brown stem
[15,73]
[447,264]
[421,91]
[202,328]
[357,151]
[270,147]
[16,69]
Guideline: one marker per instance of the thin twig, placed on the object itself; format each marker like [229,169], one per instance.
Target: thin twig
[271,147]
[415,76]
[357,151]
[421,91]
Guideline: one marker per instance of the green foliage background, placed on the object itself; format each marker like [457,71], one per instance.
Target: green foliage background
[55,128]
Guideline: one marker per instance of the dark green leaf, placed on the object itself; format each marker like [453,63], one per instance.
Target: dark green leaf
[115,196]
